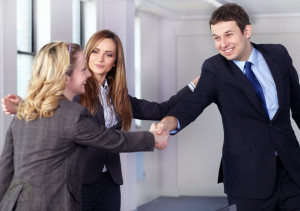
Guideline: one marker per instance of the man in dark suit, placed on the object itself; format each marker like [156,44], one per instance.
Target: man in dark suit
[254,87]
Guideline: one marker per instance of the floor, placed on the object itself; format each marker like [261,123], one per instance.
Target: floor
[185,204]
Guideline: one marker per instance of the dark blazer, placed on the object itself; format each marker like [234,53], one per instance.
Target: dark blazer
[42,161]
[141,109]
[250,138]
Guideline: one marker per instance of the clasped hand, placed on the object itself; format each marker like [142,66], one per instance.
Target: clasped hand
[161,138]
[10,104]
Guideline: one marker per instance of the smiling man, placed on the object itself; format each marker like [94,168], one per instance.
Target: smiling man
[255,88]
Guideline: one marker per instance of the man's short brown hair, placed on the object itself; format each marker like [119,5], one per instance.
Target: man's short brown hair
[230,12]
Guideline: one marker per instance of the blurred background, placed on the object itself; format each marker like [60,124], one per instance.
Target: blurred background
[165,44]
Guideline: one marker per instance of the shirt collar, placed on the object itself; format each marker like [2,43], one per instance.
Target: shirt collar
[104,88]
[105,85]
[253,59]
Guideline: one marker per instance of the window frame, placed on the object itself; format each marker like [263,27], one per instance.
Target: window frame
[33,29]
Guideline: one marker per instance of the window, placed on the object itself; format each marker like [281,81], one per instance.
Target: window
[84,20]
[77,38]
[140,172]
[137,64]
[25,44]
[25,27]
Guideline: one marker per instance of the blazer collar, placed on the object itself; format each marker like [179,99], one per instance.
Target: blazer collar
[276,73]
[99,117]
[247,88]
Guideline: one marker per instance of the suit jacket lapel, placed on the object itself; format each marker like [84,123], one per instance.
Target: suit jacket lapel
[277,77]
[101,120]
[100,115]
[247,88]
[117,126]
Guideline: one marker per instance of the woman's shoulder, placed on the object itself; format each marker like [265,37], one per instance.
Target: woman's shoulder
[68,106]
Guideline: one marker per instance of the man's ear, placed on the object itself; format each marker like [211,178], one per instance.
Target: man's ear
[248,31]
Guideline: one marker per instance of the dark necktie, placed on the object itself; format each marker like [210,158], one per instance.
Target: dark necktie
[255,83]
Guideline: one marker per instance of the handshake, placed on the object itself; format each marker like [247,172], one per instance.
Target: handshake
[160,130]
[161,135]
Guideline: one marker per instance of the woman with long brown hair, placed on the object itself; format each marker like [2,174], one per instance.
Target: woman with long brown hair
[107,94]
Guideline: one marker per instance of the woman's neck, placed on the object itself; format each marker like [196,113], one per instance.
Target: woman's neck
[68,95]
[100,79]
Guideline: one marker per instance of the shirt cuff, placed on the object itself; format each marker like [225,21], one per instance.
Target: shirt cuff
[175,130]
[191,86]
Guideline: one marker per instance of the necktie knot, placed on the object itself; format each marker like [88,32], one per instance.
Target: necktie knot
[248,65]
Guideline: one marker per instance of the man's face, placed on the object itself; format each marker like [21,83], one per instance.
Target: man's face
[231,42]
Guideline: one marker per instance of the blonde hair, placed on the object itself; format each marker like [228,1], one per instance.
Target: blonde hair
[48,80]
[116,78]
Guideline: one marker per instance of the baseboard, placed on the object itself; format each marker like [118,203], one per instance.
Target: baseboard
[203,191]
[169,191]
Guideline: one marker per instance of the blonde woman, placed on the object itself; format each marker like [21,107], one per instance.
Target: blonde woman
[44,153]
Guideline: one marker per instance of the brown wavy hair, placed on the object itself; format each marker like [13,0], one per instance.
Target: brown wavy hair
[116,79]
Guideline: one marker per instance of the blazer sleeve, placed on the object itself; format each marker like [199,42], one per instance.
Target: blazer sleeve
[295,88]
[145,110]
[206,92]
[6,163]
[89,133]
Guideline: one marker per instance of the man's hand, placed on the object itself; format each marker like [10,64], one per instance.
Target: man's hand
[167,124]
[161,140]
[162,127]
[10,104]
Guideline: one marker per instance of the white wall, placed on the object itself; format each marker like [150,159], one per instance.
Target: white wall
[8,55]
[43,23]
[53,21]
[61,20]
[149,188]
[1,74]
[167,78]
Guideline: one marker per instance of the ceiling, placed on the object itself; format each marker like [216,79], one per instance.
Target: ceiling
[200,9]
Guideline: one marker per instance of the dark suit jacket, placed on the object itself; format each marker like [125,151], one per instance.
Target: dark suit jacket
[42,161]
[141,109]
[250,138]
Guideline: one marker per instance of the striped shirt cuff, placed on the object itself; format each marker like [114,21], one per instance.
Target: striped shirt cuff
[192,86]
